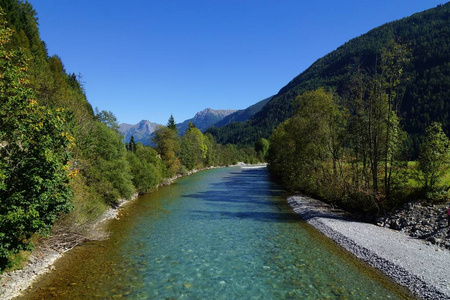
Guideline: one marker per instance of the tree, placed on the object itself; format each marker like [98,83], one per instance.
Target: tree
[394,58]
[212,158]
[131,145]
[434,157]
[171,124]
[193,149]
[146,168]
[109,172]
[191,126]
[35,156]
[262,147]
[306,149]
[108,118]
[168,145]
[375,135]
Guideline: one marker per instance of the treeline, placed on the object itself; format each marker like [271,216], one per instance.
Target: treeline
[62,164]
[352,151]
[117,170]
[195,150]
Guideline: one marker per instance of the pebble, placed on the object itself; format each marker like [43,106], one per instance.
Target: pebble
[421,220]
[187,285]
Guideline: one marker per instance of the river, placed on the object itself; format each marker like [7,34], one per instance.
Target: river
[219,234]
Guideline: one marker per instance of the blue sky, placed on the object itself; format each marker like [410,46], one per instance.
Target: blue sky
[148,59]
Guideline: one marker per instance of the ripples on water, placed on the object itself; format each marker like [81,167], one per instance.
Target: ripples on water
[219,234]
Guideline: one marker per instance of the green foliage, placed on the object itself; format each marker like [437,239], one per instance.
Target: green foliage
[108,118]
[193,149]
[109,172]
[212,157]
[146,168]
[262,148]
[350,154]
[34,157]
[168,145]
[434,158]
[171,124]
[304,150]
[131,146]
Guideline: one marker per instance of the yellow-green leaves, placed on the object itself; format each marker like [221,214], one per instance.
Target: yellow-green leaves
[34,156]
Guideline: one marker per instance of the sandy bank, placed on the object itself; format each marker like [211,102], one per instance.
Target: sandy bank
[423,269]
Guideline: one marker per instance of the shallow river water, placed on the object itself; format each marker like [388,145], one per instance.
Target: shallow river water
[219,234]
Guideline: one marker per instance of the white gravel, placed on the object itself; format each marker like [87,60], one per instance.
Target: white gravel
[422,268]
[40,262]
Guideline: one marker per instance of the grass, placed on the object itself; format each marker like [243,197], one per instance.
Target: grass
[413,165]
[88,206]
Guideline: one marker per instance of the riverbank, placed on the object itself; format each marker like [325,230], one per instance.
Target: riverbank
[422,268]
[49,250]
[47,253]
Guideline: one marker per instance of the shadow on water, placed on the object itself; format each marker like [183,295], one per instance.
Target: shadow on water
[256,216]
[244,195]
[247,195]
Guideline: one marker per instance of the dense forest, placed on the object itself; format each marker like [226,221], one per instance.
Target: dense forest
[423,92]
[62,164]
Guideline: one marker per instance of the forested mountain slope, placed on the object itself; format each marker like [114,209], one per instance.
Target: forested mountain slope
[425,93]
[243,114]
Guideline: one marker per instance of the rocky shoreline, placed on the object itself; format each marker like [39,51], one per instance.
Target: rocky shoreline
[422,220]
[419,266]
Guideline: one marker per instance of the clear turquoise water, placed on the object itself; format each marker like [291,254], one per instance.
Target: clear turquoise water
[219,234]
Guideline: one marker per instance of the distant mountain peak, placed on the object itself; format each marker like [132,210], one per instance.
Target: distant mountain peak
[144,130]
[243,114]
[216,112]
[205,119]
[141,131]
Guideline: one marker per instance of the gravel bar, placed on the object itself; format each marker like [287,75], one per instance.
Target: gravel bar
[423,269]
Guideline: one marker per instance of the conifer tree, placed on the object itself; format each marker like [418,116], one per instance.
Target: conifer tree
[132,144]
[171,123]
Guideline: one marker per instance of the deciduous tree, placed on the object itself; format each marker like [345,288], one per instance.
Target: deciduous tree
[35,144]
[434,157]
